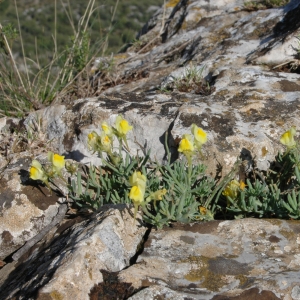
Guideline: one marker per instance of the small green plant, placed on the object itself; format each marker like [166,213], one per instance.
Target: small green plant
[274,193]
[184,186]
[191,81]
[187,189]
[165,193]
[16,138]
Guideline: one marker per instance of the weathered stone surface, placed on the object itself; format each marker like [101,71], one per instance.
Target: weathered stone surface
[68,266]
[25,210]
[250,60]
[221,258]
[158,292]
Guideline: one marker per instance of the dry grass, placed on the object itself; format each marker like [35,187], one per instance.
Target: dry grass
[26,85]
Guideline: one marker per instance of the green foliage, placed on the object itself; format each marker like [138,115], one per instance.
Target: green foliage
[292,205]
[97,186]
[4,5]
[38,22]
[171,192]
[181,191]
[9,33]
[191,81]
[274,193]
[186,194]
[47,57]
[250,201]
[109,184]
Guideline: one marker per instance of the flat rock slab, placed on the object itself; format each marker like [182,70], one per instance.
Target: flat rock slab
[221,258]
[73,261]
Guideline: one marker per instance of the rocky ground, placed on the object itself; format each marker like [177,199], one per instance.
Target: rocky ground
[247,96]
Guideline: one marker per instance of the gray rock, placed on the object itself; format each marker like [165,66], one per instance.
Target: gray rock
[24,210]
[158,291]
[220,258]
[69,263]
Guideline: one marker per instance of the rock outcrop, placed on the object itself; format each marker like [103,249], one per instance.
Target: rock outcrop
[220,260]
[246,95]
[68,262]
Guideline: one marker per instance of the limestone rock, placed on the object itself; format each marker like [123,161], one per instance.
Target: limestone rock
[25,209]
[220,259]
[158,291]
[70,264]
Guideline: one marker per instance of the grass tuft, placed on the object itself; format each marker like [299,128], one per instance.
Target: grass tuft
[28,84]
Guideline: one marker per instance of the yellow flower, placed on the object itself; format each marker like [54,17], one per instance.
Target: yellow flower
[122,126]
[37,172]
[158,195]
[287,138]
[186,144]
[137,192]
[136,195]
[92,141]
[242,185]
[200,135]
[232,189]
[202,210]
[106,143]
[138,179]
[58,162]
[107,129]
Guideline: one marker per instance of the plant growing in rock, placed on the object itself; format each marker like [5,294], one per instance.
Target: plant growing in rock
[180,191]
[186,185]
[108,183]
[274,193]
[191,81]
[173,192]
[18,137]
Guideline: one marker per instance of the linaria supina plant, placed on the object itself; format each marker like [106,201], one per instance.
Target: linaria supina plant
[271,193]
[178,191]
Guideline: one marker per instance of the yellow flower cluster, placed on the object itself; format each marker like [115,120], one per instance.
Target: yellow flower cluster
[189,143]
[37,172]
[233,189]
[137,192]
[104,141]
[100,142]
